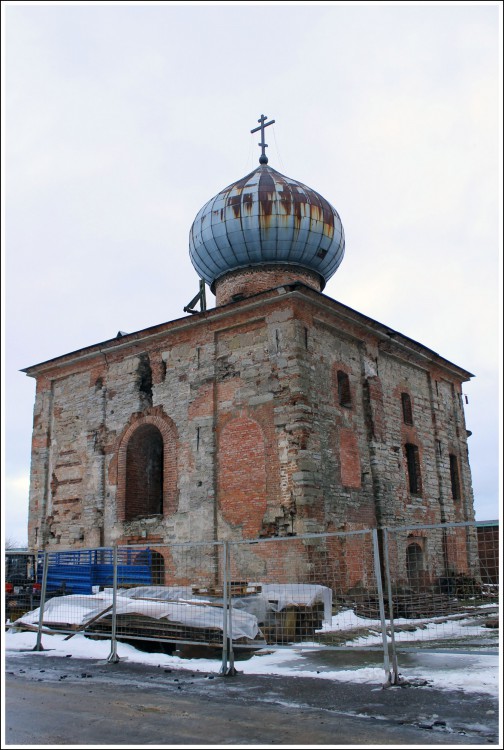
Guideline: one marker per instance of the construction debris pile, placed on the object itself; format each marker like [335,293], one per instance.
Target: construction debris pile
[257,614]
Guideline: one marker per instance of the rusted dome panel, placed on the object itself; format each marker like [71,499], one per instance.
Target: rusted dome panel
[266,218]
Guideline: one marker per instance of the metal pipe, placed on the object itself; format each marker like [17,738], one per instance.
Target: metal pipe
[376,560]
[395,670]
[38,645]
[231,669]
[113,657]
[223,668]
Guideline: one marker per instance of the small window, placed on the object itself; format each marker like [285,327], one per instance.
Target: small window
[455,477]
[344,396]
[406,408]
[413,464]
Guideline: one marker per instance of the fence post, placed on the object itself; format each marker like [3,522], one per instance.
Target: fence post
[38,646]
[231,671]
[225,552]
[386,562]
[376,556]
[113,657]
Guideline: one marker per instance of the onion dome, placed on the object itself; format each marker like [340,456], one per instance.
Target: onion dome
[264,220]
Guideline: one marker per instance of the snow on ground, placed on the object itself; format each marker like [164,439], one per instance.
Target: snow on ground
[421,629]
[471,672]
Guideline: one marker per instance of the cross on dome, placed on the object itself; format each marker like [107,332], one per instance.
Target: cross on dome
[263,159]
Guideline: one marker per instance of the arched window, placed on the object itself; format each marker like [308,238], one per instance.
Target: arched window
[145,466]
[344,395]
[406,408]
[414,564]
[144,473]
[155,562]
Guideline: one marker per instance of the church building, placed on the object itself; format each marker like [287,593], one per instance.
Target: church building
[278,412]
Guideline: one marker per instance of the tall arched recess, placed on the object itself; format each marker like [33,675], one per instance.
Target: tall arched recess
[144,473]
[147,468]
[242,475]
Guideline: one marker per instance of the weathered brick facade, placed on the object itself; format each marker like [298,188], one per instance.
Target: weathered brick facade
[282,411]
[279,413]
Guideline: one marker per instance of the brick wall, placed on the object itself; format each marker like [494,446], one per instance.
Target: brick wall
[255,441]
[242,475]
[247,282]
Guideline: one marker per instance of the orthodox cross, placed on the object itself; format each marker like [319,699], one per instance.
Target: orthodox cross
[263,159]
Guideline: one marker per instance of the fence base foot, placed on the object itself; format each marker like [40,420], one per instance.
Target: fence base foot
[230,672]
[38,648]
[113,658]
[396,681]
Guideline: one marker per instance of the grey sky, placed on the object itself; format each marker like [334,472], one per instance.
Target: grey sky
[121,121]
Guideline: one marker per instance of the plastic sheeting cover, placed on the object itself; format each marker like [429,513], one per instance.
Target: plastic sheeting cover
[77,610]
[273,597]
[281,595]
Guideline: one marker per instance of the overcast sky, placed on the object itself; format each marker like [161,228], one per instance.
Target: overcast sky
[122,120]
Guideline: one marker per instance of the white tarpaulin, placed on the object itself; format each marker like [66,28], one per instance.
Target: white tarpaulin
[244,625]
[77,610]
[167,593]
[280,595]
[271,597]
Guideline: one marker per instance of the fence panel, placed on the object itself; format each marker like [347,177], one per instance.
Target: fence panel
[309,589]
[442,592]
[167,609]
[136,593]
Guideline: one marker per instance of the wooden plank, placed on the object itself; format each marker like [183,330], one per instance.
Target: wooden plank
[83,626]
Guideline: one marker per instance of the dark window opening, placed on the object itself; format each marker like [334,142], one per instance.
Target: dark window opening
[144,378]
[144,473]
[158,569]
[156,563]
[406,408]
[413,464]
[344,395]
[455,477]
[414,564]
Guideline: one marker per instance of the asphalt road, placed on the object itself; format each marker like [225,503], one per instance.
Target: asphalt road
[53,700]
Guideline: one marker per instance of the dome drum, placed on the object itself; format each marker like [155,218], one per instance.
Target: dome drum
[245,282]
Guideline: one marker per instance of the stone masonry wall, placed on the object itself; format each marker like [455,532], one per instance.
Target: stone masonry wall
[257,443]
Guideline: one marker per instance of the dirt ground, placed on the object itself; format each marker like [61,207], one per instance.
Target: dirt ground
[52,700]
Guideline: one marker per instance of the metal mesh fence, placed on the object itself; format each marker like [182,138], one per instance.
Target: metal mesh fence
[307,589]
[136,593]
[442,585]
[183,603]
[417,587]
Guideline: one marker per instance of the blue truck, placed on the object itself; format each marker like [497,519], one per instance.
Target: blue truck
[89,570]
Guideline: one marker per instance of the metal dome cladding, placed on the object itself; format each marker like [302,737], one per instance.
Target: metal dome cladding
[263,219]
